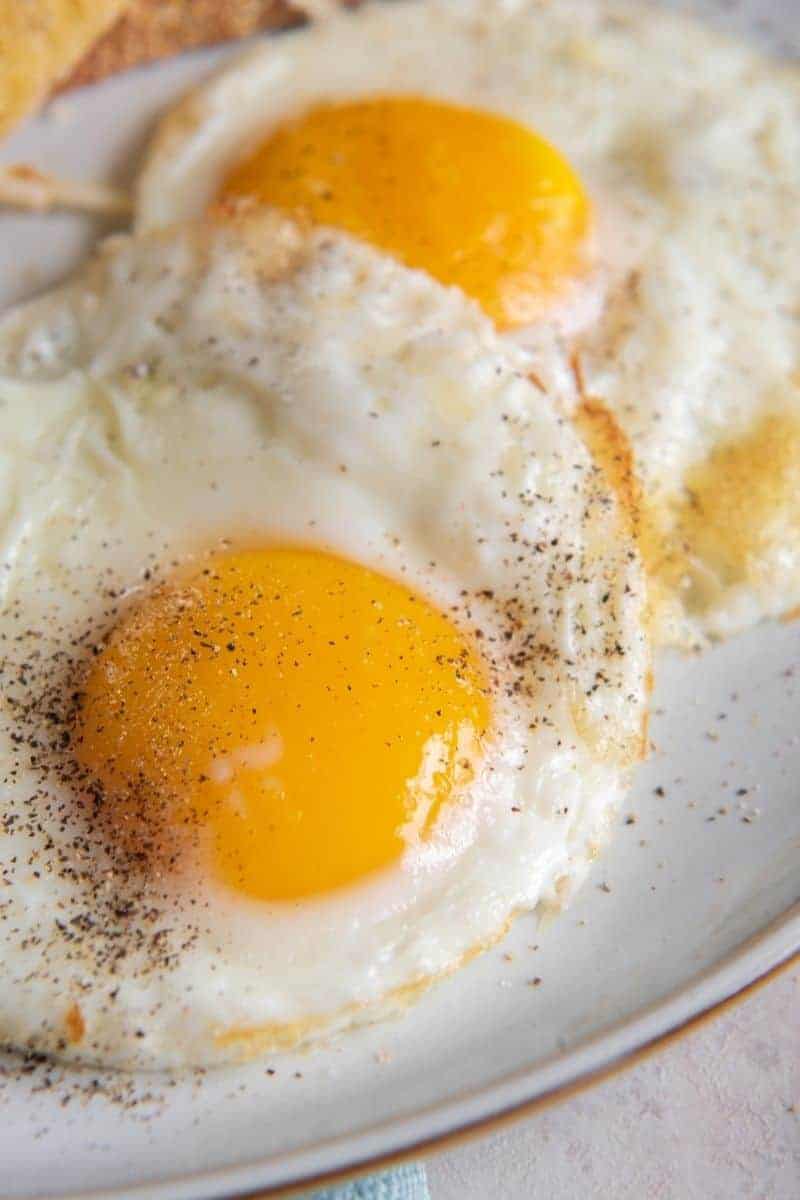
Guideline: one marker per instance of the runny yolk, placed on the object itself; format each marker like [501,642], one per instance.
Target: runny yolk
[309,715]
[474,198]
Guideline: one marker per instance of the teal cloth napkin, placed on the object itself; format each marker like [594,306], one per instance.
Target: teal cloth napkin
[403,1183]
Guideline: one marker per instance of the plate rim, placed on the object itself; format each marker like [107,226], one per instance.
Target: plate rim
[733,978]
[746,968]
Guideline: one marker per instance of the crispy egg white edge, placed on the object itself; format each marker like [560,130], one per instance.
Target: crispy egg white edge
[70,372]
[695,197]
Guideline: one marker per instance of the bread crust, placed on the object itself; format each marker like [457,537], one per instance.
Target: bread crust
[154,29]
[40,43]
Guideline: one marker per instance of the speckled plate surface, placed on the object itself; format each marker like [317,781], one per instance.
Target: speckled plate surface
[698,897]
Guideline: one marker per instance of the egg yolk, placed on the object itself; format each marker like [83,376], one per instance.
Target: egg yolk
[307,713]
[474,198]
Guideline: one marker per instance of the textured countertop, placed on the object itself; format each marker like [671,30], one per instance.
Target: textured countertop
[713,1116]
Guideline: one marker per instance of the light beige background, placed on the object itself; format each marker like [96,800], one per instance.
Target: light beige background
[714,1116]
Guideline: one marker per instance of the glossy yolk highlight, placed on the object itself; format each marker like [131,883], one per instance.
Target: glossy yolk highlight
[475,199]
[308,713]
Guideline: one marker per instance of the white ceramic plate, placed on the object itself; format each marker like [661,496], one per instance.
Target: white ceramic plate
[697,898]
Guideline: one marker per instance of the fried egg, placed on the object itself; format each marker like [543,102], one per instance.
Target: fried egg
[634,224]
[323,645]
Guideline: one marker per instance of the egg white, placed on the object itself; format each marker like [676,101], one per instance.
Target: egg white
[246,379]
[687,330]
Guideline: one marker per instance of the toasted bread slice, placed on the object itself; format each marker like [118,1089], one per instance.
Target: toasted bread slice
[152,29]
[40,43]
